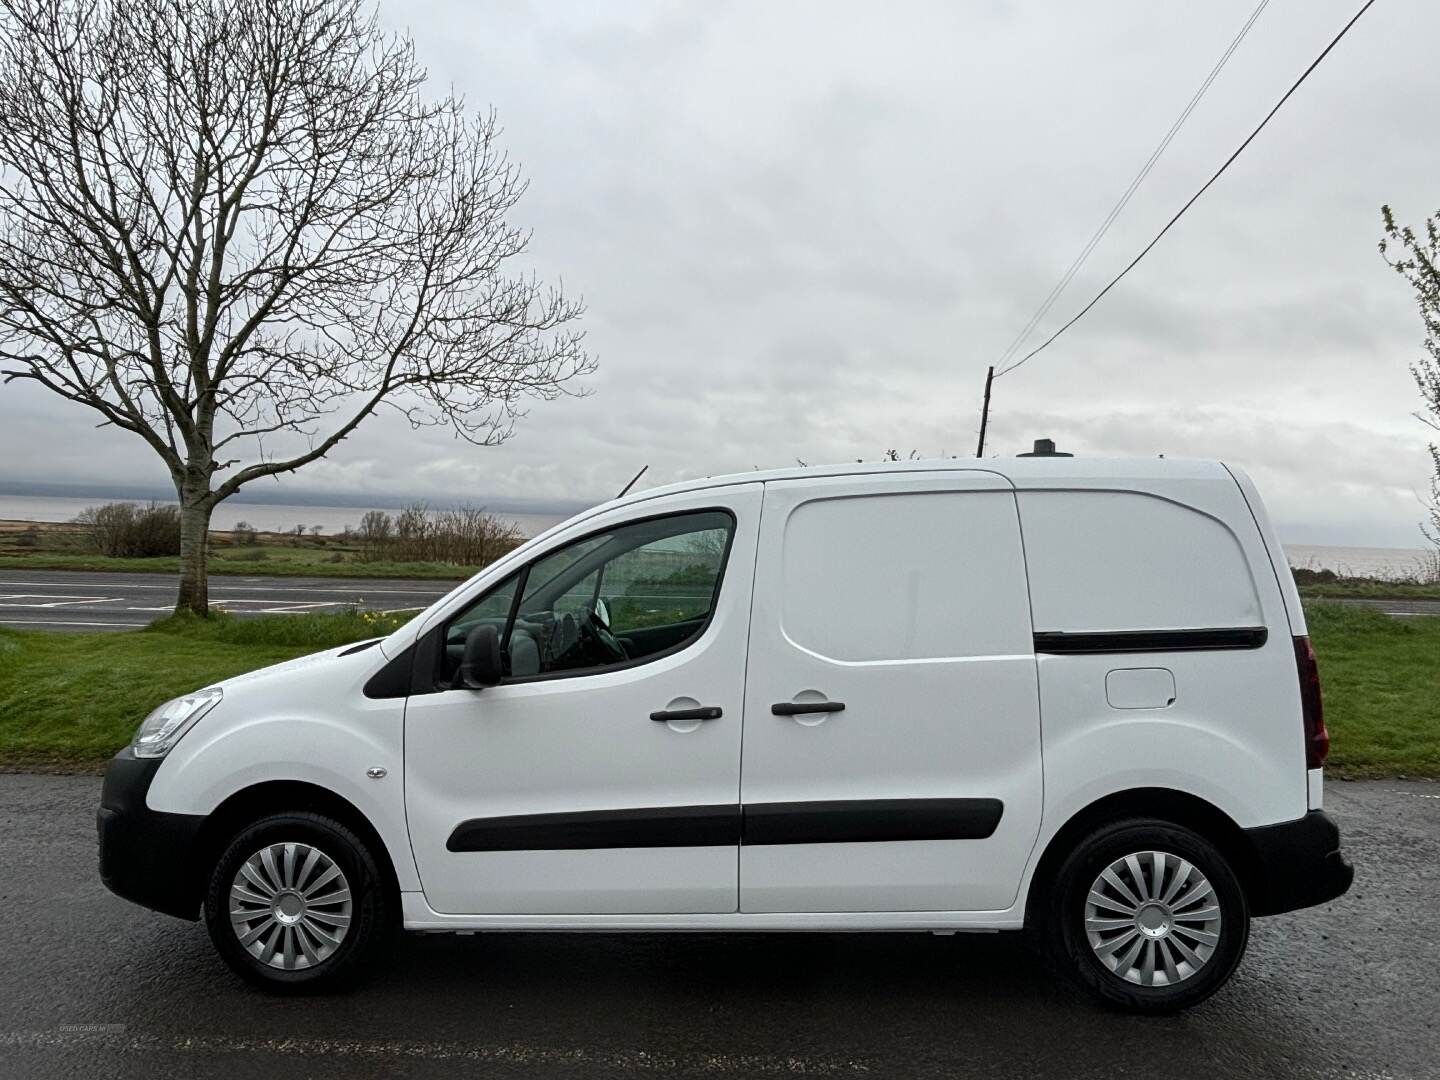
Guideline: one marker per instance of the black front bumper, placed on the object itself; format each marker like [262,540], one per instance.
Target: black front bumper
[1298,864]
[146,856]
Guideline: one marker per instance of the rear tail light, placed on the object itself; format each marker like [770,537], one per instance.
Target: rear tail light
[1317,739]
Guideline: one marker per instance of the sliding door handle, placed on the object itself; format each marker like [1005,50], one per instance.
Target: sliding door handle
[701,712]
[796,708]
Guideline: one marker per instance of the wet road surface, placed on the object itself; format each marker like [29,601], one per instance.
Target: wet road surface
[93,986]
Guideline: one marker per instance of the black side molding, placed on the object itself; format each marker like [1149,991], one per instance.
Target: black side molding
[661,826]
[836,822]
[1134,641]
[850,821]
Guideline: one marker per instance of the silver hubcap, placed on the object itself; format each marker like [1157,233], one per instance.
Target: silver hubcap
[290,906]
[1152,918]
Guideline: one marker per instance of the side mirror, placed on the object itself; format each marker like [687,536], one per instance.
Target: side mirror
[480,663]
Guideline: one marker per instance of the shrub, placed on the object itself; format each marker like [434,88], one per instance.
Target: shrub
[374,536]
[463,536]
[127,531]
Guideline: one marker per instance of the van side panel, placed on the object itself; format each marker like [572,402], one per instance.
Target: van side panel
[1134,581]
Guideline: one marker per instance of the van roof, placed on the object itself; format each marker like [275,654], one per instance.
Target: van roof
[1021,471]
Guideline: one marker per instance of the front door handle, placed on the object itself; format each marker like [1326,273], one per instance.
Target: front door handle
[795,708]
[700,712]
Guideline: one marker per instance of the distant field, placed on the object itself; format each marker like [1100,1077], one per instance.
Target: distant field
[72,700]
[29,545]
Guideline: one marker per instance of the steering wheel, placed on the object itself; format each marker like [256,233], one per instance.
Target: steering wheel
[594,626]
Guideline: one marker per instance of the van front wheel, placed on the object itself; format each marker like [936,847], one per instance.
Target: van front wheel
[295,902]
[1149,916]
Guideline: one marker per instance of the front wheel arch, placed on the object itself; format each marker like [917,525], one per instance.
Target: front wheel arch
[258,801]
[1159,804]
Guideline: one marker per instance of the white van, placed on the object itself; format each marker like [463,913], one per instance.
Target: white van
[1051,693]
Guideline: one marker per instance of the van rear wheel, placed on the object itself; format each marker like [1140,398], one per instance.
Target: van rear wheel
[296,903]
[1149,916]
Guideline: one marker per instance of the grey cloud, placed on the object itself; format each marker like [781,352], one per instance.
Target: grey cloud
[803,230]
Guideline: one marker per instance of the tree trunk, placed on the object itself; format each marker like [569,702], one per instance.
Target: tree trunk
[194,593]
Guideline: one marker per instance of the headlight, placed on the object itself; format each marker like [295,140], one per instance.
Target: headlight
[162,729]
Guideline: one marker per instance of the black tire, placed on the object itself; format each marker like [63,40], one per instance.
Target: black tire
[1065,934]
[369,915]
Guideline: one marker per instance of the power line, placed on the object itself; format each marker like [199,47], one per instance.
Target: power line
[1193,198]
[1134,185]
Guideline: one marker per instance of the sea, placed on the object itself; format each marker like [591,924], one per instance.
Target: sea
[1381,562]
[1374,562]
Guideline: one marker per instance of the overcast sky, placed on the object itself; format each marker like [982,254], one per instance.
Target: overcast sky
[804,230]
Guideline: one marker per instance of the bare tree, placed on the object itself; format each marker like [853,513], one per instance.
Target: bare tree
[236,228]
[375,531]
[1417,259]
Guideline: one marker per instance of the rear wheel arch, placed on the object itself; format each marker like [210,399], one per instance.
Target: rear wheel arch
[251,804]
[1160,804]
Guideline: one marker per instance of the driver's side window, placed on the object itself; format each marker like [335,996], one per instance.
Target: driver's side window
[628,594]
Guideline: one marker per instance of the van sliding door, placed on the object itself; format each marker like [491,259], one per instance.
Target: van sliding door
[891,758]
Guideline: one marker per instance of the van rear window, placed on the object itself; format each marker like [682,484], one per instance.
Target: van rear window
[1111,560]
[905,577]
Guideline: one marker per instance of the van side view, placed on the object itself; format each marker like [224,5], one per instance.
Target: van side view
[1069,696]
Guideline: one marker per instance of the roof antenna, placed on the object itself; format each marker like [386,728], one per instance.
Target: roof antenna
[631,484]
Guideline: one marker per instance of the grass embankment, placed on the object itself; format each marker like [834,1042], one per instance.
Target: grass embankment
[74,699]
[1381,679]
[1369,589]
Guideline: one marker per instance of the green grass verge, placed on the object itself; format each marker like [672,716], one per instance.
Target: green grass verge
[279,562]
[1381,680]
[74,699]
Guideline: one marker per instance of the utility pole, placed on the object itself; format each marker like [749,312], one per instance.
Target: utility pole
[985,411]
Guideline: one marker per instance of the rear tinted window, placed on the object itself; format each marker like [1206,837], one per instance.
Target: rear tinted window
[1109,560]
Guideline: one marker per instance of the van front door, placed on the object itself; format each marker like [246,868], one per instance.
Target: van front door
[892,745]
[602,775]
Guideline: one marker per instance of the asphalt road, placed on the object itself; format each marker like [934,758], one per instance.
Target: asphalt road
[90,603]
[93,986]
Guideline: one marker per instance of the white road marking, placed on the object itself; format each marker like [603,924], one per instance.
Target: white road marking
[441,588]
[297,604]
[57,601]
[66,622]
[539,1058]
